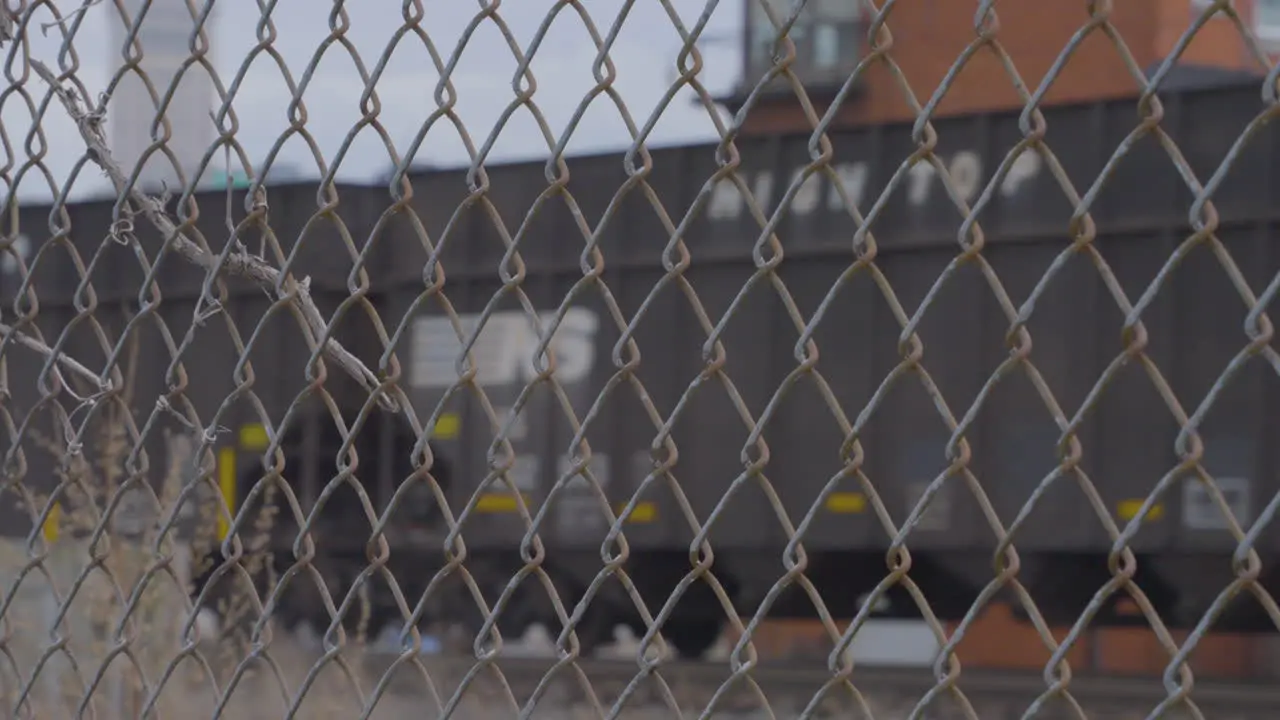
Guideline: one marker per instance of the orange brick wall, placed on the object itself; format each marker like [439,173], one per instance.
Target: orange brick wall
[929,36]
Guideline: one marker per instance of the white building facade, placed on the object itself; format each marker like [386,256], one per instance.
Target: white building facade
[164,36]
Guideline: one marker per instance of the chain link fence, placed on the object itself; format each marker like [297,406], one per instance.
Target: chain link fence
[501,396]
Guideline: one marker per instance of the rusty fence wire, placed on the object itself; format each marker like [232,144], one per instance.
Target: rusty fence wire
[146,333]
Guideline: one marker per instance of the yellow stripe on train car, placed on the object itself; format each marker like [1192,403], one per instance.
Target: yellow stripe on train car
[1128,509]
[226,487]
[499,503]
[447,427]
[254,437]
[846,503]
[644,512]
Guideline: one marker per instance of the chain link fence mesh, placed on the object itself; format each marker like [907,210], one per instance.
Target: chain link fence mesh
[111,430]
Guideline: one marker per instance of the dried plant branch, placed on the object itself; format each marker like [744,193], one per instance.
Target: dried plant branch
[62,23]
[89,122]
[6,26]
[66,362]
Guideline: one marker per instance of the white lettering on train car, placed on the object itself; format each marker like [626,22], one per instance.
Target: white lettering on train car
[964,167]
[1025,168]
[505,350]
[965,170]
[806,198]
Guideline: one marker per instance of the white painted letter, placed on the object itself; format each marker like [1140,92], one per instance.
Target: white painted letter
[574,344]
[919,176]
[1024,168]
[806,198]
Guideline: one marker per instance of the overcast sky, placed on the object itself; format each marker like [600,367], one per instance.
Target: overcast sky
[644,54]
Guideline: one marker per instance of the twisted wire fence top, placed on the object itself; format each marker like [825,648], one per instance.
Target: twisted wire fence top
[142,324]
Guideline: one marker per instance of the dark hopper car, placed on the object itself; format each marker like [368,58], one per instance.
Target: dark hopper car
[752,495]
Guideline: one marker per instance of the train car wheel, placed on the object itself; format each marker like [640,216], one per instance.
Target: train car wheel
[692,637]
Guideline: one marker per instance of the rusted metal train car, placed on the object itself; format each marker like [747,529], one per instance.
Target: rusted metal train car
[669,417]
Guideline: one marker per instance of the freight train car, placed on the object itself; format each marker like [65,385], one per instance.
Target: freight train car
[688,431]
[668,413]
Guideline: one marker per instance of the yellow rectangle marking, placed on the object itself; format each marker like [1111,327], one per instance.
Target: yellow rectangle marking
[1128,509]
[52,523]
[846,502]
[447,427]
[226,487]
[499,503]
[253,436]
[644,512]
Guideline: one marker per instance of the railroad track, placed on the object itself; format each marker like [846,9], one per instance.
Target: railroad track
[889,694]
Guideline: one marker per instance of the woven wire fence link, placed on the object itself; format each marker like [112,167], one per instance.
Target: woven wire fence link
[149,336]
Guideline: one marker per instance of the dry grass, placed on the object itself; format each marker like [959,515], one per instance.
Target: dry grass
[98,609]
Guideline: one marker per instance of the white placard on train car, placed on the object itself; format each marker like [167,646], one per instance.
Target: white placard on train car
[1200,512]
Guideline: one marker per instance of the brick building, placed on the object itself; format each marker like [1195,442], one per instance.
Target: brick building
[928,36]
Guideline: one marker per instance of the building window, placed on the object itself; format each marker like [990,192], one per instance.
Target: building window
[1266,19]
[827,37]
[826,47]
[761,32]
